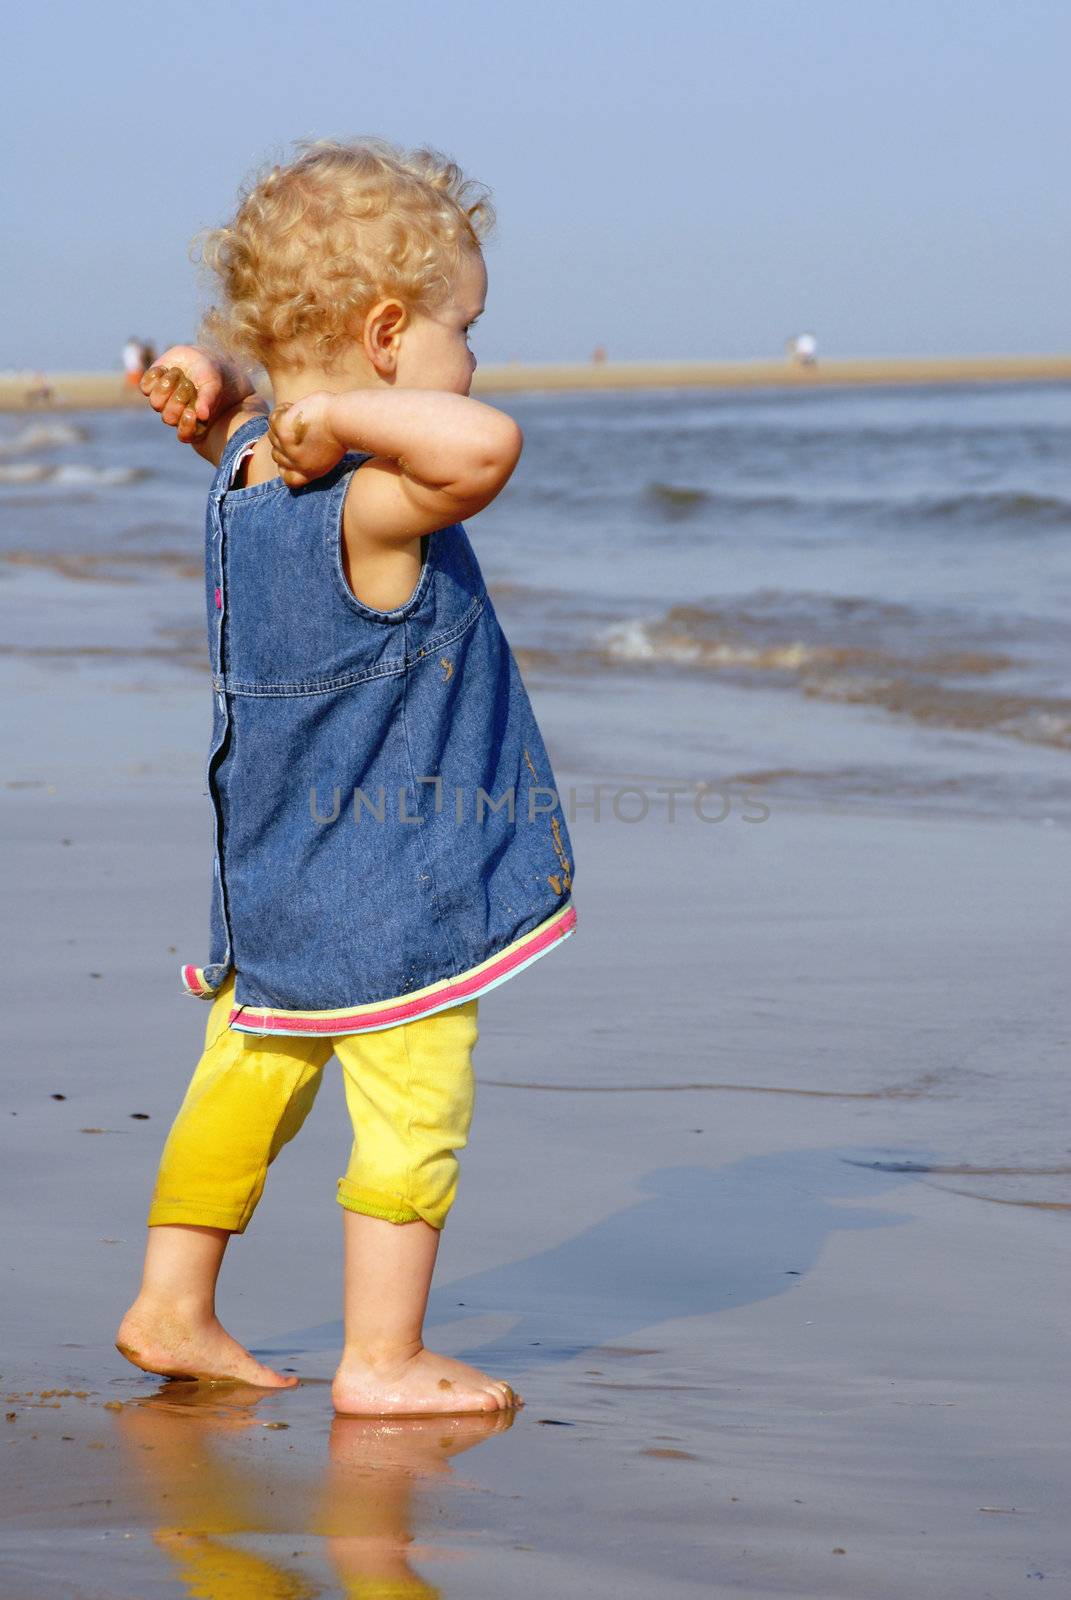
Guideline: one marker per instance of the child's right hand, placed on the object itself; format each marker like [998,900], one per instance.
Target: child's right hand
[303,445]
[190,388]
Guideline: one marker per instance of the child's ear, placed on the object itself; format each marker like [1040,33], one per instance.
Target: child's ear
[385,322]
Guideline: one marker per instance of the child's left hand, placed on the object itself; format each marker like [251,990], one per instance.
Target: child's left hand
[303,444]
[190,388]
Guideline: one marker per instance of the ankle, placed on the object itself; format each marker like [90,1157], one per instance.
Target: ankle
[380,1354]
[194,1309]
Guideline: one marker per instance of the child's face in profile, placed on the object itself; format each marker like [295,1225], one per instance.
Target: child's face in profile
[433,350]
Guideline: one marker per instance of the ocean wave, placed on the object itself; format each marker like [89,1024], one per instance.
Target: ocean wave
[69,474]
[1036,720]
[42,436]
[992,505]
[1005,507]
[849,650]
[637,640]
[778,630]
[676,500]
[109,566]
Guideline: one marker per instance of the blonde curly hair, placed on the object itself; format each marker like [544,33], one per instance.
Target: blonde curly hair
[315,243]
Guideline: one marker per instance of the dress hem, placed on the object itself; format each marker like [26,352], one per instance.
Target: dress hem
[402,1008]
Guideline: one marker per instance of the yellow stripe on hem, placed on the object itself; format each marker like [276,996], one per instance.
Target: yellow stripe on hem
[419,1002]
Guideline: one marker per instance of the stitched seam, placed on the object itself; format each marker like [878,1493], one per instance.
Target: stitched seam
[435,900]
[314,685]
[310,686]
[334,560]
[206,1216]
[458,628]
[372,1208]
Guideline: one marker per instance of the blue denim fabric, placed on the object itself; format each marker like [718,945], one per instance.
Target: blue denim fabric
[317,696]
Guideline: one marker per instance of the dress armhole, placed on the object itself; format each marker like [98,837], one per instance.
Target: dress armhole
[236,465]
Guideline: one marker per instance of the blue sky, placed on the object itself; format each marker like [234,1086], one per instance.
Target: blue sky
[673,181]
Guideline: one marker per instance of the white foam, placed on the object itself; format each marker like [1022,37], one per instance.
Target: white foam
[42,436]
[69,474]
[642,640]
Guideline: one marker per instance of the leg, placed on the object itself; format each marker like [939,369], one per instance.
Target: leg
[247,1098]
[410,1092]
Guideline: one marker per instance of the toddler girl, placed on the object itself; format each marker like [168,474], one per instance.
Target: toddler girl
[388,839]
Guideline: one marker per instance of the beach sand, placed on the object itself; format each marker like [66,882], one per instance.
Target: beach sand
[779,1327]
[104,390]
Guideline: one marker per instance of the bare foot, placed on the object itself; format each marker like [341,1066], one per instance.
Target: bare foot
[415,1384]
[160,1338]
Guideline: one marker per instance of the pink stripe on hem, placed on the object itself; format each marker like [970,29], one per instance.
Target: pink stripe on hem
[460,990]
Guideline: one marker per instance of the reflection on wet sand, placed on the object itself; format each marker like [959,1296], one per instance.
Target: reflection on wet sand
[965,1169]
[216,1507]
[916,1088]
[1004,1200]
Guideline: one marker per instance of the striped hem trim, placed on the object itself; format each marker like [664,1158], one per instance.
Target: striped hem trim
[436,997]
[193,981]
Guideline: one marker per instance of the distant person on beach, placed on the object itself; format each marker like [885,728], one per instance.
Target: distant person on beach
[133,361]
[803,349]
[39,392]
[367,888]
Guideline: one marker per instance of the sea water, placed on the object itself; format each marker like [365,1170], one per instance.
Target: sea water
[847,598]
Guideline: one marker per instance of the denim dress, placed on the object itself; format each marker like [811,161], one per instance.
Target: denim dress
[388,836]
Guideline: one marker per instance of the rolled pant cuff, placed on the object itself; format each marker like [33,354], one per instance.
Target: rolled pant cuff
[374,1203]
[198,1217]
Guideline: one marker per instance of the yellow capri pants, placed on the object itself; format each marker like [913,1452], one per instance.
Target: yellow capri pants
[410,1092]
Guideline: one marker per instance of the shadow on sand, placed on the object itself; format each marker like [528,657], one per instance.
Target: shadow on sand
[705,1239]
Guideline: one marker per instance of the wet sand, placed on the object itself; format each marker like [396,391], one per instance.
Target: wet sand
[786,1317]
[106,390]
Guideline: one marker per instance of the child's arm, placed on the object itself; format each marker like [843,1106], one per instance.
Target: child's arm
[202,397]
[438,457]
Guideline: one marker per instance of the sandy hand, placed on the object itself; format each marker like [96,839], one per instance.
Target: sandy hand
[190,388]
[303,445]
